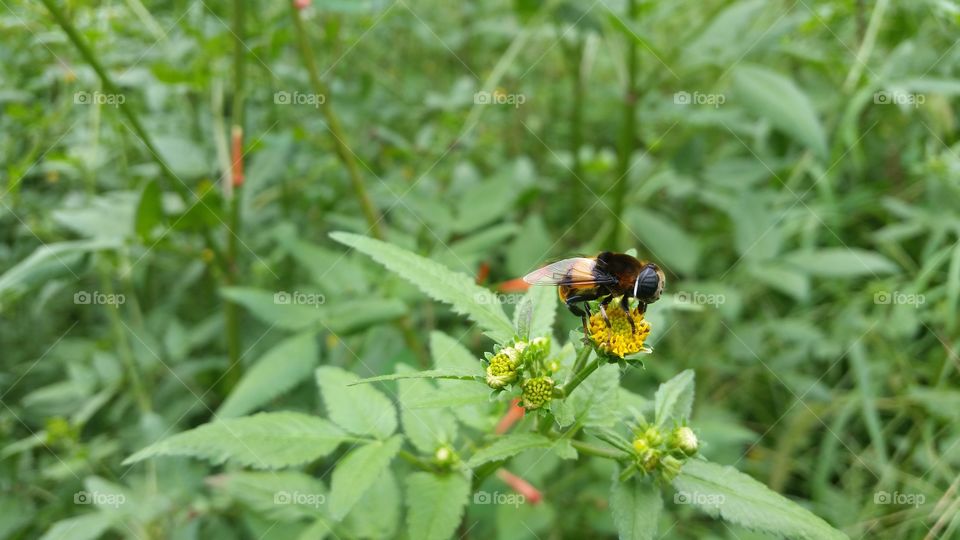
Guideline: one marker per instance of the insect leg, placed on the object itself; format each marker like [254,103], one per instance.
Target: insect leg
[603,303]
[625,304]
[583,313]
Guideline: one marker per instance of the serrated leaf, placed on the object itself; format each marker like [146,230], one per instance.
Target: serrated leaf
[435,503]
[635,506]
[728,493]
[357,471]
[428,374]
[544,300]
[363,410]
[263,441]
[281,368]
[507,446]
[279,495]
[779,100]
[593,401]
[427,429]
[522,317]
[840,262]
[340,318]
[467,400]
[440,283]
[377,513]
[674,398]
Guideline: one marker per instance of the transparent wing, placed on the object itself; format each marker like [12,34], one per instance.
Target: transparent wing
[575,271]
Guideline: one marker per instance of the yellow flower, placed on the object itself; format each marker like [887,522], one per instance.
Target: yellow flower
[619,339]
[502,369]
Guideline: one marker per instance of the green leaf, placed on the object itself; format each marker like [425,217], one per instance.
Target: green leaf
[263,441]
[428,374]
[840,262]
[674,398]
[357,471]
[507,446]
[437,281]
[435,503]
[635,506]
[544,300]
[776,98]
[594,402]
[665,241]
[278,495]
[377,513]
[278,309]
[427,429]
[149,210]
[363,410]
[280,369]
[87,526]
[24,273]
[469,401]
[734,496]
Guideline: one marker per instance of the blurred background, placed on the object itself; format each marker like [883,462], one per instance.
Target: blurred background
[792,165]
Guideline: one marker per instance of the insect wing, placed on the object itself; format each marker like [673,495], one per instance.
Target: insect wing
[575,271]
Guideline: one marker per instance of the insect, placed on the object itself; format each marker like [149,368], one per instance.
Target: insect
[604,277]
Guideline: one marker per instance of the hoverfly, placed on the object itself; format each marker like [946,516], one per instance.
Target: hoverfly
[604,277]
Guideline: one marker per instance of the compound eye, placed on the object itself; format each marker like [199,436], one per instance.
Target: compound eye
[649,284]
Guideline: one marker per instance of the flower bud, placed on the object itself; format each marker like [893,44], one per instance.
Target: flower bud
[502,370]
[536,392]
[684,439]
[670,467]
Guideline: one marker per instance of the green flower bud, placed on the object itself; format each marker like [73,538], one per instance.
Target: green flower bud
[445,456]
[502,370]
[536,392]
[653,437]
[649,460]
[536,350]
[670,467]
[684,439]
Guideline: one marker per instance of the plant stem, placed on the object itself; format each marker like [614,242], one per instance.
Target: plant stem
[182,191]
[231,312]
[333,124]
[627,136]
[579,362]
[125,350]
[350,163]
[597,451]
[414,460]
[581,376]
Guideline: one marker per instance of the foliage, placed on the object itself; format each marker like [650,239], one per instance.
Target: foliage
[258,260]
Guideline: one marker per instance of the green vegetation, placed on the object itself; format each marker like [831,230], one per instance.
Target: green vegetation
[259,269]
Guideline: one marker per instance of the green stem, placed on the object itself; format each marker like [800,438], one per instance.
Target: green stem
[597,451]
[415,461]
[349,161]
[627,133]
[580,376]
[333,124]
[125,350]
[580,361]
[231,312]
[179,187]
